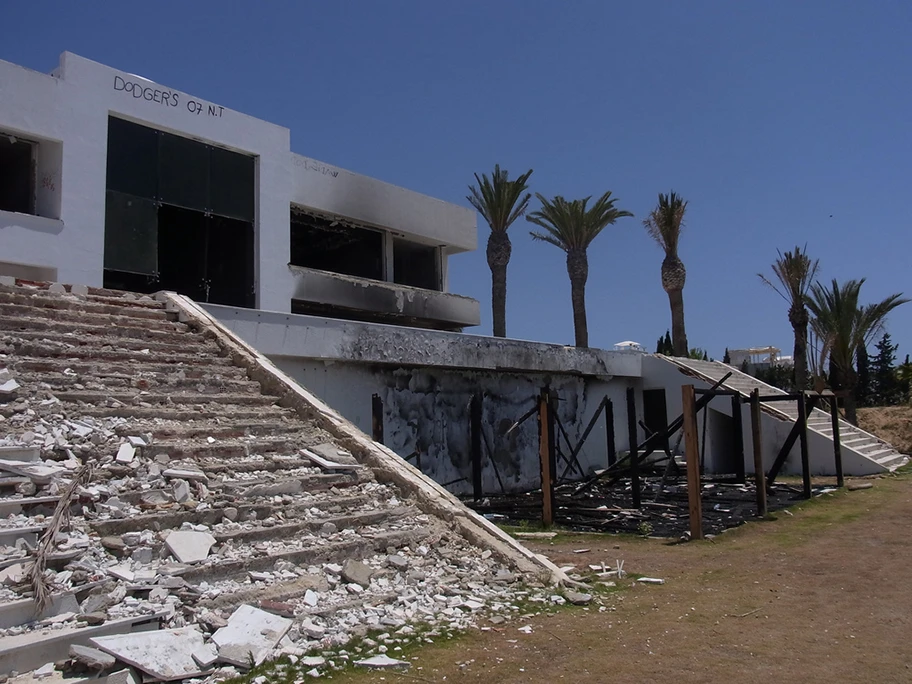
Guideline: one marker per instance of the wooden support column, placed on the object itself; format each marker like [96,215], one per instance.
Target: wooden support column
[377,418]
[738,439]
[756,432]
[837,443]
[692,452]
[803,439]
[475,423]
[545,442]
[632,436]
[609,433]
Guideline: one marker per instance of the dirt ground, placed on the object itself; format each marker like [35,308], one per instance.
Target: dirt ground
[892,423]
[821,595]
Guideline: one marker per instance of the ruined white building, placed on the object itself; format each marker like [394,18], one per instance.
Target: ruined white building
[108,179]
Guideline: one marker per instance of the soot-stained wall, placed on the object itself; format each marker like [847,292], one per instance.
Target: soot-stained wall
[426,410]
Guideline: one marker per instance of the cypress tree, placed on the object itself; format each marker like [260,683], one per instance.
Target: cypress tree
[863,388]
[886,389]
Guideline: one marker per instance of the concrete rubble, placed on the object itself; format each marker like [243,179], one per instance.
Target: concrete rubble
[235,529]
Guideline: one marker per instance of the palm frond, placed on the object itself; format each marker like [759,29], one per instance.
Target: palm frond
[499,200]
[573,224]
[795,272]
[665,223]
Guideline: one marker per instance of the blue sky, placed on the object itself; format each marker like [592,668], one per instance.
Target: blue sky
[782,123]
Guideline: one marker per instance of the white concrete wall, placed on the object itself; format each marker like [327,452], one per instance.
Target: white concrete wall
[71,109]
[327,188]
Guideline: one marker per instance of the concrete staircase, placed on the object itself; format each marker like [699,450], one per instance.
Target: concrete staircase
[217,455]
[882,455]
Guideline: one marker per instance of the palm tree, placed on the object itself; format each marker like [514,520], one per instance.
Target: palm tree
[664,225]
[842,325]
[795,272]
[500,201]
[572,226]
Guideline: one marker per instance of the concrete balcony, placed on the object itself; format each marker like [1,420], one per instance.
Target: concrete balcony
[322,293]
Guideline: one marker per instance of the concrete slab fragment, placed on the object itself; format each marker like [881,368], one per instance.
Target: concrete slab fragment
[165,654]
[383,662]
[186,474]
[251,634]
[326,464]
[188,546]
[38,473]
[126,453]
[18,453]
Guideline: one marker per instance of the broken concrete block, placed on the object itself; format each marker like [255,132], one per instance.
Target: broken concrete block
[8,281]
[79,290]
[165,654]
[311,598]
[92,658]
[14,574]
[136,442]
[327,464]
[357,572]
[383,662]
[578,598]
[46,670]
[650,580]
[313,631]
[126,453]
[56,288]
[184,474]
[121,572]
[189,547]
[397,561]
[251,634]
[39,473]
[181,491]
[122,677]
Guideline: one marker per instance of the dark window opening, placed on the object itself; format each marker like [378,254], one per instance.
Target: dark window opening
[17,177]
[331,246]
[179,216]
[416,265]
[306,308]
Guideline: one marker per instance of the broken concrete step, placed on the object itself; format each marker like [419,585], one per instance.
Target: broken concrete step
[224,430]
[9,535]
[174,519]
[100,369]
[267,464]
[257,489]
[111,339]
[130,398]
[31,650]
[11,506]
[166,383]
[22,612]
[39,350]
[358,548]
[227,449]
[25,313]
[341,522]
[137,332]
[42,303]
[186,412]
[96,294]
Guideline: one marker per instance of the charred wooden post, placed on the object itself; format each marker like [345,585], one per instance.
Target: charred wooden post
[475,428]
[377,418]
[609,433]
[632,435]
[837,444]
[738,439]
[757,434]
[692,453]
[545,453]
[803,437]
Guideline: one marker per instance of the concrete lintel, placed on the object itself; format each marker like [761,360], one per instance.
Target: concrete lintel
[279,334]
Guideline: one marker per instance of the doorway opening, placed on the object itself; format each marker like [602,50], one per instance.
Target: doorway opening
[179,216]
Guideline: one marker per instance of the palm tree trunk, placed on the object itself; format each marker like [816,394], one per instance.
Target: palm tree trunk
[578,270]
[498,253]
[850,382]
[798,317]
[800,357]
[678,336]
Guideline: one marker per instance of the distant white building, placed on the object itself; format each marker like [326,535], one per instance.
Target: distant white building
[630,346]
[758,358]
[109,179]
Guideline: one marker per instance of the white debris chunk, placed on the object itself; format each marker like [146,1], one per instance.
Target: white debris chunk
[184,474]
[650,580]
[382,662]
[165,654]
[188,546]
[251,633]
[126,453]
